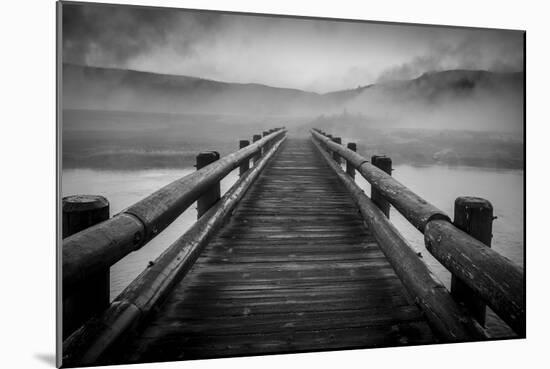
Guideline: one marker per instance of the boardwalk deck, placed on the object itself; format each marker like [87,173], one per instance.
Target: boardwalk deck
[294,270]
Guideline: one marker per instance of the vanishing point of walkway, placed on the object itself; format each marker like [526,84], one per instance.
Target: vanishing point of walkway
[295,269]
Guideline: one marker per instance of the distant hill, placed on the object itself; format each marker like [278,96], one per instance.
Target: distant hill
[434,85]
[127,90]
[123,119]
[116,89]
[456,99]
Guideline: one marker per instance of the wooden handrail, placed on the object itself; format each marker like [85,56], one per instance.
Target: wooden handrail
[447,319]
[494,278]
[102,245]
[137,301]
[414,208]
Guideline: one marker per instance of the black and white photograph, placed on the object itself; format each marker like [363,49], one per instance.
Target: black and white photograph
[241,184]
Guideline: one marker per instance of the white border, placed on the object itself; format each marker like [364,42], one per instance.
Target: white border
[28,181]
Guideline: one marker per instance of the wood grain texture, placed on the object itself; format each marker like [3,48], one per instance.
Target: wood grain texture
[494,278]
[134,305]
[294,270]
[449,322]
[101,246]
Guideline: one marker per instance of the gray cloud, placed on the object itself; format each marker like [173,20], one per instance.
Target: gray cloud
[317,55]
[498,51]
[112,35]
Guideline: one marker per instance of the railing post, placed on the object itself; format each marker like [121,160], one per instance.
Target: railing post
[350,170]
[212,194]
[335,155]
[330,137]
[384,163]
[258,155]
[246,163]
[266,147]
[474,216]
[92,296]
[270,144]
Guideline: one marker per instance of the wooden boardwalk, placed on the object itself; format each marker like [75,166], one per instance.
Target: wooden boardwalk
[295,269]
[283,262]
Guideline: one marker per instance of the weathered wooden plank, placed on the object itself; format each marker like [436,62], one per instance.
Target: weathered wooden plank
[87,345]
[290,266]
[203,346]
[391,301]
[99,247]
[312,274]
[448,320]
[273,261]
[298,260]
[278,322]
[417,210]
[298,284]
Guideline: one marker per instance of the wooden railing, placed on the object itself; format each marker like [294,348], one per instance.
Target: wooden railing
[87,255]
[480,271]
[480,275]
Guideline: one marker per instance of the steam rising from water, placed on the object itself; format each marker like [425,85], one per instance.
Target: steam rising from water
[212,75]
[458,100]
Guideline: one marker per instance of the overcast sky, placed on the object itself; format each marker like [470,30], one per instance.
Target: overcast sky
[315,55]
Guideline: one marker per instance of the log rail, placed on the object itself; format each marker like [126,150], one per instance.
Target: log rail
[89,253]
[493,278]
[106,243]
[480,274]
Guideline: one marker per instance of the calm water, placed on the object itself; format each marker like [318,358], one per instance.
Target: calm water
[442,185]
[124,188]
[439,185]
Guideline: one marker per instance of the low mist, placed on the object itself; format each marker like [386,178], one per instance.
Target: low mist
[122,118]
[457,100]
